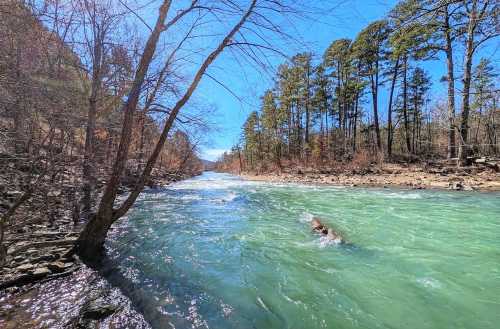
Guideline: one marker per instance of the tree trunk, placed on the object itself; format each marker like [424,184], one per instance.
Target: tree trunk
[389,109]
[356,107]
[91,239]
[469,50]
[374,82]
[88,160]
[451,87]
[405,102]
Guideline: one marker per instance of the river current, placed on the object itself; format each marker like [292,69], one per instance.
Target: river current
[217,251]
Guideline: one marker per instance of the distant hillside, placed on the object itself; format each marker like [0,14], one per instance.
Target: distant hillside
[208,165]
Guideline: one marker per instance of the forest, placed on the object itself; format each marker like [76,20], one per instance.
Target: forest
[328,111]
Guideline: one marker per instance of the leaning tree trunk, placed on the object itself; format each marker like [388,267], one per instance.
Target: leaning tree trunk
[91,240]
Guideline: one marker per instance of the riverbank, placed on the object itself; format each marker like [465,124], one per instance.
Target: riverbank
[38,279]
[393,175]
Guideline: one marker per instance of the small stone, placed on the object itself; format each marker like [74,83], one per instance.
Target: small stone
[59,266]
[25,267]
[41,271]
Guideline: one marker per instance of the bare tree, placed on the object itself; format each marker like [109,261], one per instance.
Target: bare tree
[93,235]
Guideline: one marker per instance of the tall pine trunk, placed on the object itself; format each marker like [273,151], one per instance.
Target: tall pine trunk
[374,85]
[469,51]
[451,152]
[405,103]
[389,109]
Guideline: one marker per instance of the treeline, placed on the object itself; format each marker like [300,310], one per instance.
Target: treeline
[53,98]
[326,111]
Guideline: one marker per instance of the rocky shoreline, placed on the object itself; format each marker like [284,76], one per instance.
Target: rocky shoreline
[82,300]
[40,258]
[412,177]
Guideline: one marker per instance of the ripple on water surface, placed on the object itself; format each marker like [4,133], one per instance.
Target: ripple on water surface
[228,253]
[220,252]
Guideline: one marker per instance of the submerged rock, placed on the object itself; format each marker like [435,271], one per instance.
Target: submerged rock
[97,309]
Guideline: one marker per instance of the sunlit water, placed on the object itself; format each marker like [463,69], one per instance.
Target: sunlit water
[220,252]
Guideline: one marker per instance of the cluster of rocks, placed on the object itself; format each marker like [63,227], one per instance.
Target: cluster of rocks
[48,258]
[412,177]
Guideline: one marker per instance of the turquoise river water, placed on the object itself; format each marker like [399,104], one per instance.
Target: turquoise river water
[220,252]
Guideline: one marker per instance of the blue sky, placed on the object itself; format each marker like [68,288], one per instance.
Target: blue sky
[345,20]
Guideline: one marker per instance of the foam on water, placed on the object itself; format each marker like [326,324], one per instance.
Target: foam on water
[429,282]
[405,195]
[306,217]
[191,197]
[324,242]
[202,183]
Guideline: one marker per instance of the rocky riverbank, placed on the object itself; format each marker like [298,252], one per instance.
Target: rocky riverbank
[81,300]
[40,261]
[394,175]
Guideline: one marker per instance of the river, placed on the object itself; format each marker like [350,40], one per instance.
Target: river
[220,252]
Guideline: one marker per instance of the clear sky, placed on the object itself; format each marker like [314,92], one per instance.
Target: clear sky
[345,20]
